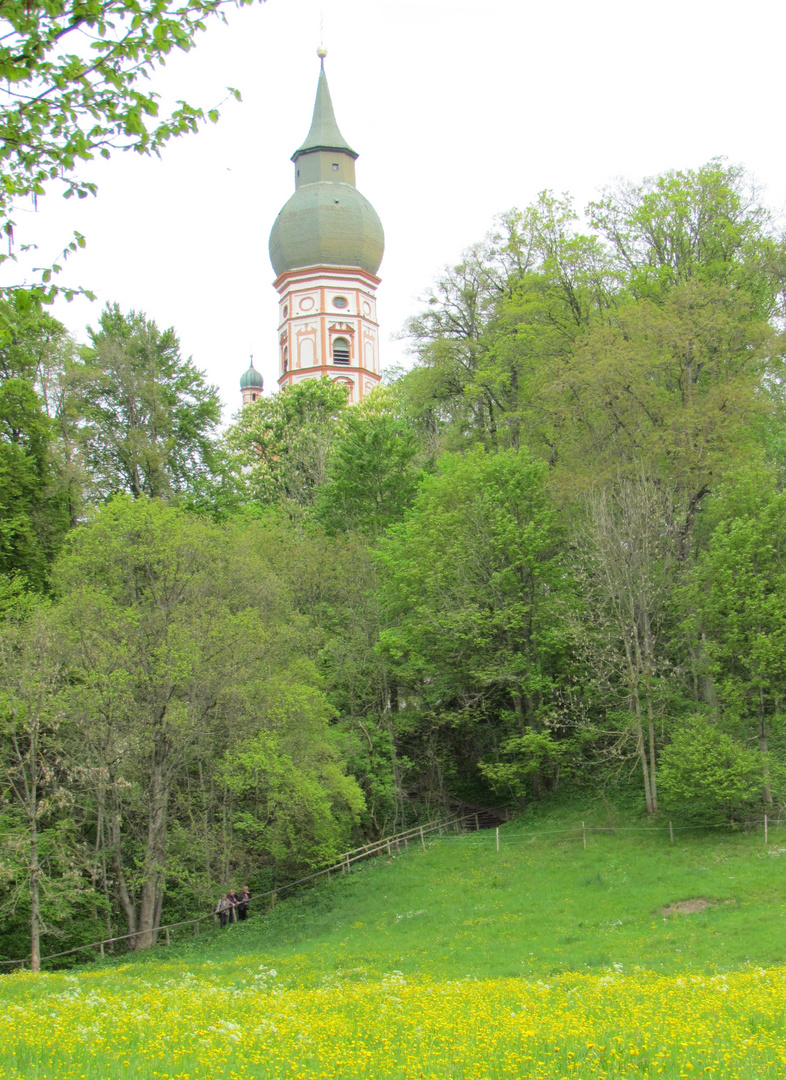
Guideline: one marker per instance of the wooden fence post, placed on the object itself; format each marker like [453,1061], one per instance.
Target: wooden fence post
[584,834]
[477,824]
[196,929]
[671,832]
[422,839]
[388,843]
[101,949]
[497,837]
[765,829]
[166,935]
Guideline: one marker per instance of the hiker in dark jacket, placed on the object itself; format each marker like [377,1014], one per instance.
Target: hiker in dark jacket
[233,899]
[243,899]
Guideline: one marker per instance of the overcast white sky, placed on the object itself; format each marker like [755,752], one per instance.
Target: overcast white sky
[459,110]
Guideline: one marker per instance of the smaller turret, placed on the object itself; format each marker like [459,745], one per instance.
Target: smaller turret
[251,384]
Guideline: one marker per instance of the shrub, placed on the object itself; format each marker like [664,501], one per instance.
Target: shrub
[706,776]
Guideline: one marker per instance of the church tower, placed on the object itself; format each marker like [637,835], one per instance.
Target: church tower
[326,246]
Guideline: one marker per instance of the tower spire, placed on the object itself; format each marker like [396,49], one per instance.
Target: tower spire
[323,133]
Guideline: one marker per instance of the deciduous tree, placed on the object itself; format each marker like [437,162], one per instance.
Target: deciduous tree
[372,474]
[626,569]
[147,416]
[33,761]
[283,443]
[467,583]
[736,603]
[33,491]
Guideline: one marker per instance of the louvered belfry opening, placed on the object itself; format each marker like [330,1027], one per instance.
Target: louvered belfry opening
[341,351]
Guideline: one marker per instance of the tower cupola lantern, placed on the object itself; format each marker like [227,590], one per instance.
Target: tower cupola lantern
[326,246]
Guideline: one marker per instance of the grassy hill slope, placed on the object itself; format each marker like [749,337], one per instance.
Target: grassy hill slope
[540,905]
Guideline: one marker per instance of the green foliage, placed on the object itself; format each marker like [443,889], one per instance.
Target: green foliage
[645,344]
[706,225]
[640,357]
[74,75]
[33,510]
[24,432]
[708,777]
[282,444]
[518,568]
[467,587]
[147,415]
[734,600]
[670,387]
[333,586]
[42,857]
[294,802]
[536,755]
[467,577]
[372,475]
[184,652]
[738,591]
[495,324]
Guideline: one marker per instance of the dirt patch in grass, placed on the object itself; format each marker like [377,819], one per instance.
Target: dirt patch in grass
[687,907]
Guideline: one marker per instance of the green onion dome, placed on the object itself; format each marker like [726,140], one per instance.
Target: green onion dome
[326,223]
[251,379]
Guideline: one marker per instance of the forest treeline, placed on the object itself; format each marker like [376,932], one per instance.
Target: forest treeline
[549,555]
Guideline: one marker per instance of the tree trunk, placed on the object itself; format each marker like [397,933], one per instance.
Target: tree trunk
[649,665]
[763,748]
[518,706]
[642,750]
[126,901]
[633,658]
[35,910]
[155,855]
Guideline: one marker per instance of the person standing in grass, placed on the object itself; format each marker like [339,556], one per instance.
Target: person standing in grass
[243,899]
[232,897]
[223,909]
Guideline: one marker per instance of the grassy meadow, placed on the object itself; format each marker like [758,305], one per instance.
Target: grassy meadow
[541,960]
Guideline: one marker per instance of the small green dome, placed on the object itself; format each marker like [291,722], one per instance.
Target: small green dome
[327,224]
[251,379]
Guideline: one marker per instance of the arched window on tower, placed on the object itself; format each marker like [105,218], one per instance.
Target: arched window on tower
[340,351]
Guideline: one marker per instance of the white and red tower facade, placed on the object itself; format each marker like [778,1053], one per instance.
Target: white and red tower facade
[328,328]
[326,246]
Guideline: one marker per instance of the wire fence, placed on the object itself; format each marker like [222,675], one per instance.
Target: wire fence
[390,845]
[766,824]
